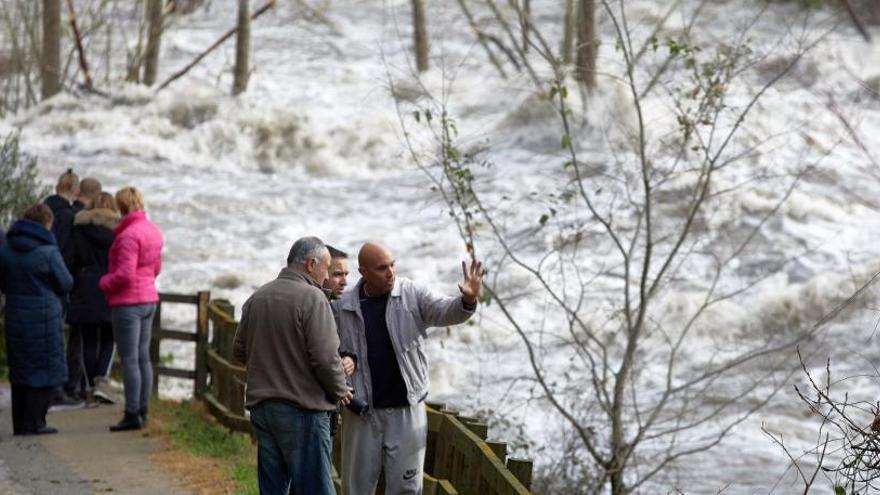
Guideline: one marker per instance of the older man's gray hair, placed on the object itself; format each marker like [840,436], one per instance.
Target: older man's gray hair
[304,249]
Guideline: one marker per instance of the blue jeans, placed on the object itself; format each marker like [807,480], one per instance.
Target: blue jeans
[132,326]
[293,449]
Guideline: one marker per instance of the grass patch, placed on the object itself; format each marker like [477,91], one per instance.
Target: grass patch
[219,460]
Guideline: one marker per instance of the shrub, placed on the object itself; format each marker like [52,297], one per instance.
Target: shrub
[19,185]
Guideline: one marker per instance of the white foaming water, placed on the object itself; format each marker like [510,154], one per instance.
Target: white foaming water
[314,148]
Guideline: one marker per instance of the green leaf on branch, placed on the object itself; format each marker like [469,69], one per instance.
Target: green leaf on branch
[566,141]
[543,219]
[839,490]
[418,116]
[454,155]
[485,298]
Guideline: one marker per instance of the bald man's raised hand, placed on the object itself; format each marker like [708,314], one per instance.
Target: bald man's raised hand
[473,281]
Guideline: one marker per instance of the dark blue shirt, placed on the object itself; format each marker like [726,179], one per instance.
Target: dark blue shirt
[389,389]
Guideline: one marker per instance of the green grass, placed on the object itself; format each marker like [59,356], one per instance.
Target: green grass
[194,432]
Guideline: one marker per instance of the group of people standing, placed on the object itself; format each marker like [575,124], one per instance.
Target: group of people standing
[363,352]
[91,259]
[312,346]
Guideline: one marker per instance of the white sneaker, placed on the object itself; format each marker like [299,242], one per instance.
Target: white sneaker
[103,392]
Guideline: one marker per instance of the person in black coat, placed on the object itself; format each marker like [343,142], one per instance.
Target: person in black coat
[34,280]
[64,204]
[89,314]
[86,191]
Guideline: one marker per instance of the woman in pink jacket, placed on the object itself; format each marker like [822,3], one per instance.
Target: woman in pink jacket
[134,262]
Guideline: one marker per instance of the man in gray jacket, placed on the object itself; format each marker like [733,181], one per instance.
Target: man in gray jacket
[288,340]
[383,320]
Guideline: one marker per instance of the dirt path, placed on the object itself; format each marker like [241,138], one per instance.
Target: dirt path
[83,458]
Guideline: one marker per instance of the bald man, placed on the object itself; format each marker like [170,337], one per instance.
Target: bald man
[384,320]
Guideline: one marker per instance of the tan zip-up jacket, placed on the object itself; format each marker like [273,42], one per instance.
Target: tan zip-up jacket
[288,340]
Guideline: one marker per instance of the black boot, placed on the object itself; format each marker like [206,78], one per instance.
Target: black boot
[129,422]
[143,415]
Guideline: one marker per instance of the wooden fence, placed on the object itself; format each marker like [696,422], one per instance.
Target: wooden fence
[199,336]
[458,460]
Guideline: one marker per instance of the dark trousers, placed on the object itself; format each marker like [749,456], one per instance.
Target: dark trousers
[293,449]
[97,350]
[29,406]
[75,385]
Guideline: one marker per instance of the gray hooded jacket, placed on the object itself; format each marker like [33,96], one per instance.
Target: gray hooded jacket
[411,310]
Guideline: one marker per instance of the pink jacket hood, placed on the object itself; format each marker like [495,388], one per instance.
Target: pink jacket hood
[134,263]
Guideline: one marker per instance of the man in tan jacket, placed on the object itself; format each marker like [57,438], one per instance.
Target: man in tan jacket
[287,338]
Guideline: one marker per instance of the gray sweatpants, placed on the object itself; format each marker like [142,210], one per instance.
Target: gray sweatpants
[391,438]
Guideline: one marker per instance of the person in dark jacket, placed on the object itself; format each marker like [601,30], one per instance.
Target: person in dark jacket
[34,280]
[89,314]
[64,204]
[77,382]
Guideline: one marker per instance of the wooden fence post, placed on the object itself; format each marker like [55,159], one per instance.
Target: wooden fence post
[522,469]
[154,345]
[499,449]
[202,345]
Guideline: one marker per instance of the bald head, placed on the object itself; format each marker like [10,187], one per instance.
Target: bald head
[371,252]
[376,265]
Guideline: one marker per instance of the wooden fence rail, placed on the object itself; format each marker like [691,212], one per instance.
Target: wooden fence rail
[458,460]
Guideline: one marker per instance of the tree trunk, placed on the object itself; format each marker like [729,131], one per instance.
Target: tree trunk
[526,23]
[80,50]
[50,63]
[153,13]
[587,44]
[228,34]
[568,32]
[242,48]
[420,35]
